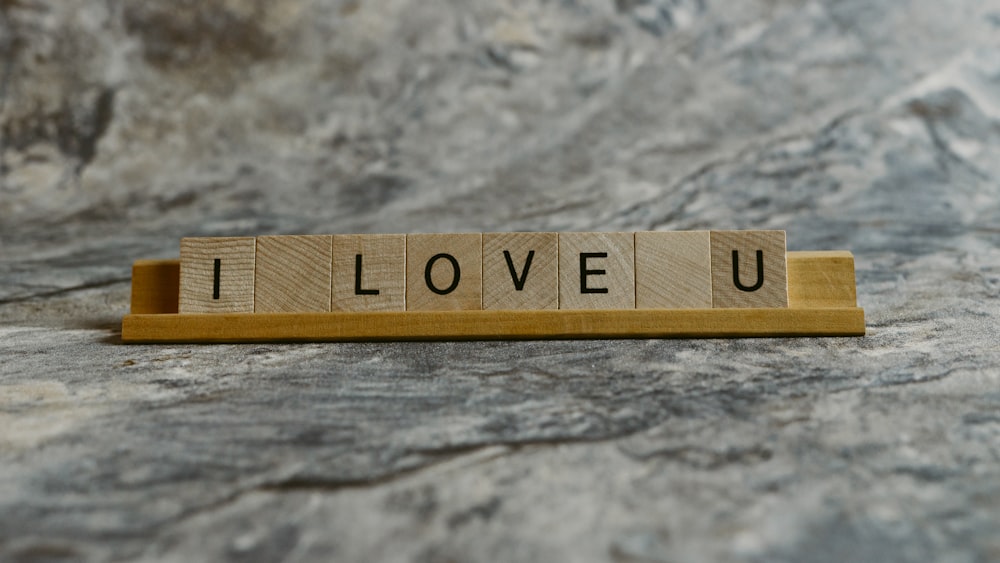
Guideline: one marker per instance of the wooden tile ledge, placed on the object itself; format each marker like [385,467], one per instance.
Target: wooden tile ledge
[821,302]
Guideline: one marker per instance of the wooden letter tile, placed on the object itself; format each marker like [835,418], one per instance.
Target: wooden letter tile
[673,270]
[759,257]
[217,275]
[521,271]
[369,273]
[596,270]
[293,274]
[444,272]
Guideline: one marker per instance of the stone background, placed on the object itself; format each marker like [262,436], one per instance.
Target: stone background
[852,124]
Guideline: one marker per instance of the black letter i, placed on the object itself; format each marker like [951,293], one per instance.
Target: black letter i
[215,282]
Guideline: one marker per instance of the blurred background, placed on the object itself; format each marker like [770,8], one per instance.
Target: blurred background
[151,119]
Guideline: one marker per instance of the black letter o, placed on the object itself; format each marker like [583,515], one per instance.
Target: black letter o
[454,281]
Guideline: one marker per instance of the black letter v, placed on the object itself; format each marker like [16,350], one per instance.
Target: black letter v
[518,282]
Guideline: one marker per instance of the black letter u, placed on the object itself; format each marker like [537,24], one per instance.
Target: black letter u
[760,272]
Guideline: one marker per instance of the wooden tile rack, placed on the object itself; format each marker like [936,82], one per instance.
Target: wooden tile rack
[821,302]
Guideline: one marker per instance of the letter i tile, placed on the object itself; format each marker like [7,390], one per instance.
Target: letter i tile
[217,275]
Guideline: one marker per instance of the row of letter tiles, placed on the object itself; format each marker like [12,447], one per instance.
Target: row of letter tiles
[496,271]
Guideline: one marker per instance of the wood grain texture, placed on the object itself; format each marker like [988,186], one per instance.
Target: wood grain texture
[444,272]
[520,271]
[760,280]
[673,270]
[820,279]
[494,325]
[197,285]
[816,279]
[596,270]
[293,273]
[824,305]
[155,286]
[383,269]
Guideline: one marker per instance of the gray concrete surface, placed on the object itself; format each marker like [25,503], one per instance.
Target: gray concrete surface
[859,125]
